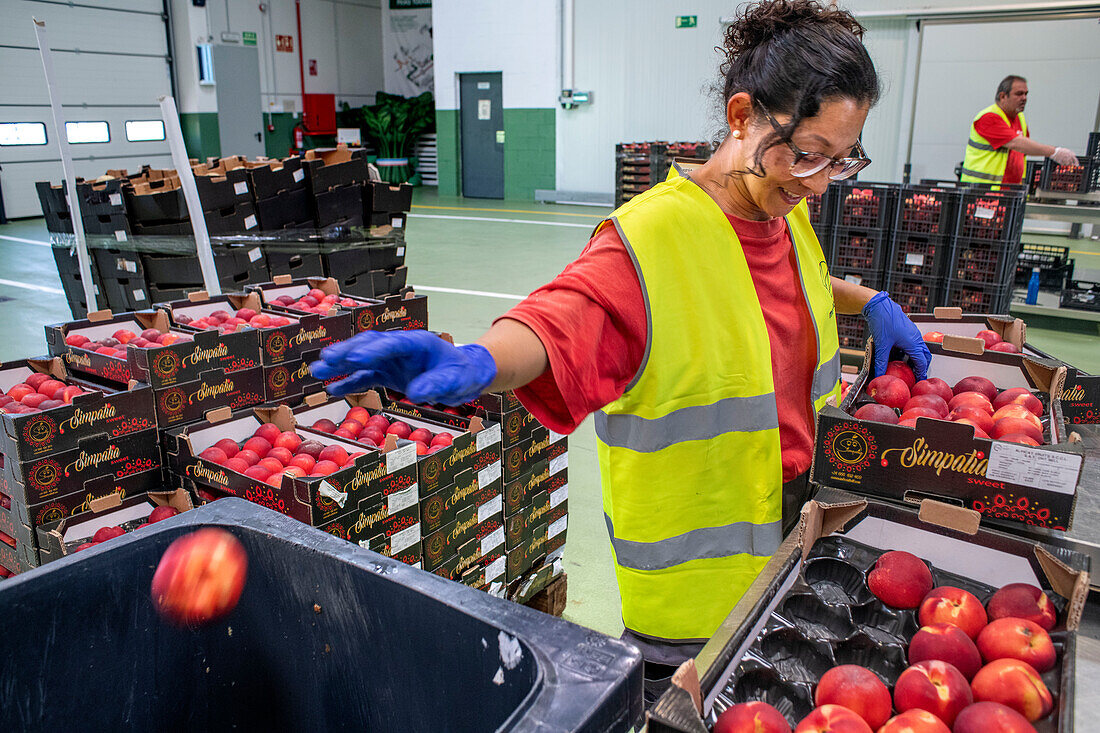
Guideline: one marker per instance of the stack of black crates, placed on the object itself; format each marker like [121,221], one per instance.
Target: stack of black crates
[312,215]
[930,244]
[641,166]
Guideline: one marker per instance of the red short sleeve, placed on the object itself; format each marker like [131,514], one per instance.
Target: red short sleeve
[591,320]
[995,130]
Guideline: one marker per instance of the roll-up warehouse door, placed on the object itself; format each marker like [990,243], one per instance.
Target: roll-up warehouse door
[111,62]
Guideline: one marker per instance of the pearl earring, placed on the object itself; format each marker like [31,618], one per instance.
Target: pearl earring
[737,133]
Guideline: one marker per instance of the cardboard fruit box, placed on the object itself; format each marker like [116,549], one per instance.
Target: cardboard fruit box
[394,313]
[19,522]
[113,411]
[313,500]
[474,524]
[442,507]
[277,344]
[393,515]
[1006,482]
[64,536]
[291,381]
[475,444]
[811,604]
[1081,393]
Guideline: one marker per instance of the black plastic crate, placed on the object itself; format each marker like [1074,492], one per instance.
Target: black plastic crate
[1054,263]
[864,205]
[983,262]
[288,209]
[68,272]
[914,294]
[1033,176]
[923,209]
[388,197]
[852,331]
[992,215]
[920,256]
[858,249]
[236,266]
[304,262]
[298,652]
[976,298]
[114,225]
[1066,178]
[340,204]
[822,207]
[1081,295]
[126,294]
[1093,150]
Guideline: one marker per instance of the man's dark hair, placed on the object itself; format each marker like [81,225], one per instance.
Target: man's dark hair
[1006,85]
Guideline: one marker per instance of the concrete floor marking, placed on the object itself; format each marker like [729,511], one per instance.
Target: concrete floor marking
[28,286]
[507,211]
[502,221]
[25,241]
[479,293]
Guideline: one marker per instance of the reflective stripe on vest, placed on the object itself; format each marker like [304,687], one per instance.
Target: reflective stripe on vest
[690,460]
[984,163]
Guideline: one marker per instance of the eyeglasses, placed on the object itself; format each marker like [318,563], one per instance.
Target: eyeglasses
[807,164]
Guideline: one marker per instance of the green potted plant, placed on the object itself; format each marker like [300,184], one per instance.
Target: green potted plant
[393,124]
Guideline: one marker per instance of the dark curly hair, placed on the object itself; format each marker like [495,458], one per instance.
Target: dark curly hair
[792,55]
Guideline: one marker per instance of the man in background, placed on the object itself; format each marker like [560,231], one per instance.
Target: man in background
[999,139]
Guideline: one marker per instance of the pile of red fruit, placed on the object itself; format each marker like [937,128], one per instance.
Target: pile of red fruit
[860,208]
[992,339]
[39,392]
[109,533]
[271,454]
[972,668]
[371,430]
[315,301]
[116,344]
[226,322]
[1013,414]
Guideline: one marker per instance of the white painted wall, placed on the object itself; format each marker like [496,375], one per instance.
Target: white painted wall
[343,36]
[516,37]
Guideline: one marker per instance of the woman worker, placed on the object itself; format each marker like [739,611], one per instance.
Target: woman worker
[699,326]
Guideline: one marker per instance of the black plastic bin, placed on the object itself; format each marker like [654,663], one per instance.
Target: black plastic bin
[327,636]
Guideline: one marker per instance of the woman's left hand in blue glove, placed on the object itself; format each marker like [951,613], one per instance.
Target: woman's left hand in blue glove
[890,327]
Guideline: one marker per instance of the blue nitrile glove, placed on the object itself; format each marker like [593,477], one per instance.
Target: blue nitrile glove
[890,327]
[420,364]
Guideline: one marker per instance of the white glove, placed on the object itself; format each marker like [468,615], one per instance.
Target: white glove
[1062,156]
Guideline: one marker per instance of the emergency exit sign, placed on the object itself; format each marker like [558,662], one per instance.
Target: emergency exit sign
[248,38]
[687,21]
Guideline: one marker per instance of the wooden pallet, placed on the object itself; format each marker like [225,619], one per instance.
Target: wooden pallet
[551,599]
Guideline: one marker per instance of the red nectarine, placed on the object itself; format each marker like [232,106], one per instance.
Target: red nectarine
[914,721]
[1026,601]
[751,717]
[876,413]
[1015,684]
[983,717]
[900,579]
[832,719]
[934,686]
[902,371]
[976,384]
[200,577]
[1019,396]
[950,605]
[888,390]
[946,643]
[857,689]
[1017,638]
[933,385]
[975,400]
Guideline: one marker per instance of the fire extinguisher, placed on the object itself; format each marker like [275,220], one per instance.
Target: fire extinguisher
[299,139]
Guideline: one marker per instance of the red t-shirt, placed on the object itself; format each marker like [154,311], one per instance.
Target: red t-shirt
[591,319]
[993,128]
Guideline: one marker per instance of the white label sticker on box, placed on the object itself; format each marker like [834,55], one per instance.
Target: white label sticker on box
[249,222]
[396,222]
[488,436]
[489,508]
[400,457]
[1034,467]
[914,259]
[139,294]
[495,569]
[115,199]
[416,565]
[489,474]
[298,175]
[559,463]
[490,541]
[405,538]
[240,188]
[856,279]
[557,497]
[555,437]
[331,492]
[126,265]
[254,254]
[403,499]
[120,235]
[983,213]
[400,251]
[557,527]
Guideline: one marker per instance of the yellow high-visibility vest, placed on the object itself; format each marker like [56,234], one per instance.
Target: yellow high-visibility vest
[689,455]
[983,163]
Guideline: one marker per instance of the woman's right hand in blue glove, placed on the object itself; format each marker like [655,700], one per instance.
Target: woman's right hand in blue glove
[418,363]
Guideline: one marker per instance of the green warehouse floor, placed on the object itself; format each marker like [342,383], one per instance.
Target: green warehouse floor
[474,259]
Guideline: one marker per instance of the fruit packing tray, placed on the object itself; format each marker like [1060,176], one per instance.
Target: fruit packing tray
[810,608]
[828,617]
